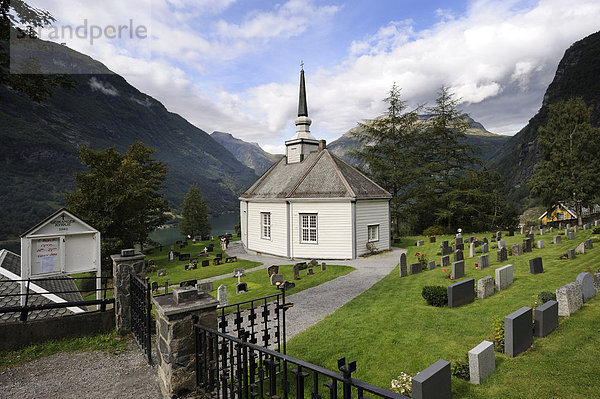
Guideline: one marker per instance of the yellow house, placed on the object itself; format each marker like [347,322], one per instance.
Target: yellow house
[559,213]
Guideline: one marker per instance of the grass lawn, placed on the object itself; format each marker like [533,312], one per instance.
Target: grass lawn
[259,284]
[176,271]
[390,329]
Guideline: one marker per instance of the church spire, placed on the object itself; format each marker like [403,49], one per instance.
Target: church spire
[302,107]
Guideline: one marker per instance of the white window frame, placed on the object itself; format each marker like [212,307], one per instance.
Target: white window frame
[376,227]
[265,225]
[560,216]
[309,228]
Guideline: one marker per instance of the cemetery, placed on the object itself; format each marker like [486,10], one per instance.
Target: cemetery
[414,337]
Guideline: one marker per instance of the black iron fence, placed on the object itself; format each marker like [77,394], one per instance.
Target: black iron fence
[263,319]
[44,294]
[230,367]
[141,318]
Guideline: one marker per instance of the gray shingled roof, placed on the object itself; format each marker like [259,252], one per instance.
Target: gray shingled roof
[12,263]
[320,175]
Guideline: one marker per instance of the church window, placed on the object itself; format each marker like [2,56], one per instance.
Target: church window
[308,228]
[373,233]
[265,218]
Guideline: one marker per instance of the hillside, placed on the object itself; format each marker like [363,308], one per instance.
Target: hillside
[576,75]
[486,142]
[250,154]
[40,141]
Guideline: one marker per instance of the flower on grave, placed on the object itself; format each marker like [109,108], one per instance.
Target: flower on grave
[476,266]
[402,384]
[451,278]
[508,234]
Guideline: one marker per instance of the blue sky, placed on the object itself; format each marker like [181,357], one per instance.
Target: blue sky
[233,65]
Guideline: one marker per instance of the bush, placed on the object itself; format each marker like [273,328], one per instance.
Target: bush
[435,230]
[460,369]
[498,326]
[596,230]
[435,295]
[546,296]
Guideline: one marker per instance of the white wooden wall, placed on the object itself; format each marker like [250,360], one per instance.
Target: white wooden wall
[277,245]
[369,212]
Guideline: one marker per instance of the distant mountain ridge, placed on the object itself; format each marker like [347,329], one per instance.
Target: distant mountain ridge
[250,154]
[40,142]
[577,74]
[477,135]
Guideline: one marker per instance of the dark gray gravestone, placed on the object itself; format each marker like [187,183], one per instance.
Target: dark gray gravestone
[416,268]
[536,266]
[274,269]
[445,261]
[485,247]
[527,245]
[184,256]
[444,244]
[446,251]
[587,286]
[483,261]
[556,240]
[518,331]
[241,287]
[296,271]
[485,240]
[588,244]
[402,265]
[502,255]
[571,253]
[205,263]
[433,382]
[461,293]
[571,235]
[459,246]
[546,318]
[458,241]
[458,255]
[431,265]
[458,269]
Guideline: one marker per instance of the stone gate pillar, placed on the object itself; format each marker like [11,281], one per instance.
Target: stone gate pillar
[123,265]
[175,341]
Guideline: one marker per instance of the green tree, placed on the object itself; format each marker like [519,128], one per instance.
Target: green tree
[568,169]
[120,196]
[387,152]
[194,212]
[446,157]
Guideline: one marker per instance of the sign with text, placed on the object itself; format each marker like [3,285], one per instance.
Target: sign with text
[46,256]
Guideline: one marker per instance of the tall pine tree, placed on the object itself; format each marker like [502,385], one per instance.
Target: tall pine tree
[194,212]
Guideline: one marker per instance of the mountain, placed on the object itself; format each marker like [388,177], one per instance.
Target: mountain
[478,136]
[250,154]
[577,75]
[40,142]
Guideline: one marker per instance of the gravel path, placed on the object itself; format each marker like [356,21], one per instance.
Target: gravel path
[127,375]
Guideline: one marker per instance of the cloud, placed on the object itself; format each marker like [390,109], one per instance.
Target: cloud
[103,87]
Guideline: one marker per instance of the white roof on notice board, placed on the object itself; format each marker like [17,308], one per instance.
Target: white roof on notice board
[61,222]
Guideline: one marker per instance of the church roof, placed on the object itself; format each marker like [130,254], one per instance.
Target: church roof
[320,175]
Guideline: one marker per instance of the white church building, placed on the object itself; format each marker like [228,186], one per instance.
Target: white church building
[312,204]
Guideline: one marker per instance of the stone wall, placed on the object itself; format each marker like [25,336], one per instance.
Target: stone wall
[123,265]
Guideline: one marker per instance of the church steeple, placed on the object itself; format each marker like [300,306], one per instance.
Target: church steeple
[303,143]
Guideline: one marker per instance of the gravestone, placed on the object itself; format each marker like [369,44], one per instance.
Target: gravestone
[458,255]
[416,268]
[402,264]
[504,277]
[551,229]
[518,331]
[323,266]
[171,256]
[286,285]
[567,233]
[485,247]
[485,240]
[546,318]
[587,286]
[310,271]
[570,254]
[542,232]
[184,256]
[589,244]
[461,293]
[273,270]
[485,287]
[511,232]
[570,298]
[571,235]
[517,250]
[580,248]
[482,362]
[522,229]
[597,280]
[205,263]
[530,235]
[154,286]
[459,243]
[444,244]
[296,271]
[536,266]
[162,272]
[540,244]
[575,228]
[431,239]
[527,245]
[556,240]
[501,244]
[498,235]
[241,288]
[420,243]
[458,269]
[502,255]
[206,286]
[222,296]
[445,260]
[276,278]
[446,250]
[431,265]
[433,382]
[471,250]
[483,261]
